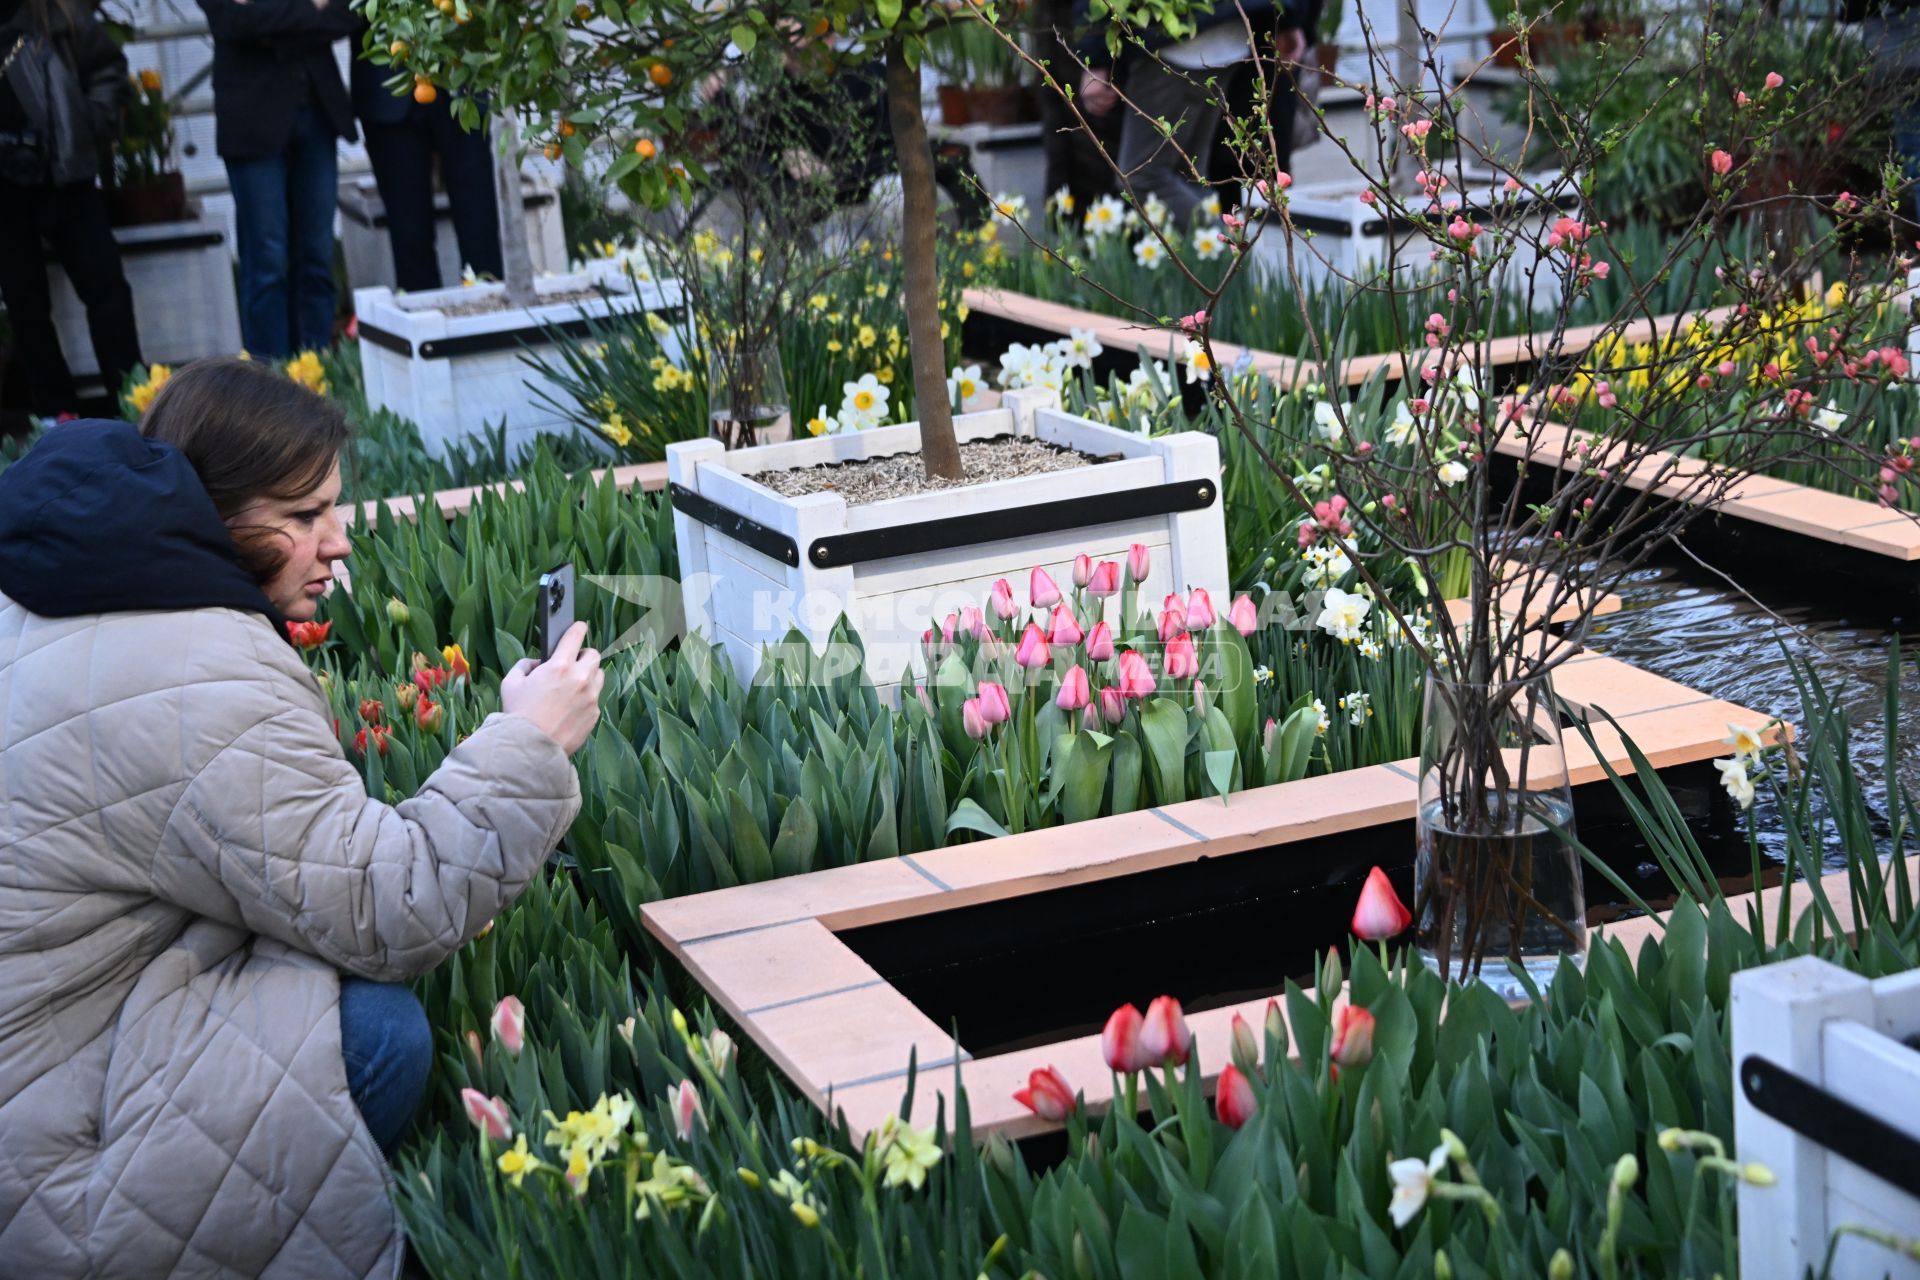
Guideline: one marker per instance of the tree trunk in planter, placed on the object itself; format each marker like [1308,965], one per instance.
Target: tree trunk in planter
[515,260]
[919,219]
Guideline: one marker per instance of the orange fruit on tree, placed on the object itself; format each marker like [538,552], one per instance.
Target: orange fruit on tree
[398,49]
[582,12]
[645,149]
[424,93]
[661,74]
[566,128]
[553,151]
[821,26]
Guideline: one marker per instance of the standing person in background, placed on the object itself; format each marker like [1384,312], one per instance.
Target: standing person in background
[63,84]
[279,109]
[403,136]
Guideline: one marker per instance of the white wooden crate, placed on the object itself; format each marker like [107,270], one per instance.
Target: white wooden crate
[183,296]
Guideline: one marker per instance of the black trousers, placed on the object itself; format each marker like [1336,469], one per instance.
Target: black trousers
[402,156]
[73,221]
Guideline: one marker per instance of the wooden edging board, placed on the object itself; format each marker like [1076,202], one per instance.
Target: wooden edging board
[1128,335]
[1777,504]
[769,954]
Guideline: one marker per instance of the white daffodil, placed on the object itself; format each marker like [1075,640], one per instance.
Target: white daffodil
[1400,430]
[963,387]
[1467,388]
[1199,364]
[1148,253]
[1261,675]
[1830,418]
[1412,1183]
[822,423]
[1211,205]
[1326,422]
[1320,710]
[1017,364]
[1746,743]
[1452,472]
[1155,210]
[1358,707]
[1342,614]
[1369,649]
[1734,777]
[1061,201]
[1208,243]
[1009,208]
[1104,216]
[864,401]
[1079,349]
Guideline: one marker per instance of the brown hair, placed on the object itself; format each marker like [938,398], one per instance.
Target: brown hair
[250,432]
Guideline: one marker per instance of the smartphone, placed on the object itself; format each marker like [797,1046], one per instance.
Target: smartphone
[555,608]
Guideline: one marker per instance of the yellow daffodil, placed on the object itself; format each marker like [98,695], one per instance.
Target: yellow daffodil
[617,431]
[306,370]
[516,1163]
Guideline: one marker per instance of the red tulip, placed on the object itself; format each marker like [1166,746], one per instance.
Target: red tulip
[1136,678]
[1105,580]
[1199,610]
[1163,1032]
[429,715]
[1082,570]
[1120,1041]
[370,710]
[1003,606]
[1379,913]
[1100,642]
[382,736]
[972,719]
[489,1115]
[1033,651]
[510,1024]
[1245,618]
[427,679]
[1041,589]
[686,1106]
[994,707]
[1352,1038]
[1047,1095]
[1064,628]
[1075,691]
[1233,1098]
[1139,560]
[308,635]
[1113,705]
[1182,661]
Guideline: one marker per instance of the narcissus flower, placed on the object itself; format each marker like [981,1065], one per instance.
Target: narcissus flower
[1047,1095]
[1412,1182]
[1379,914]
[1233,1097]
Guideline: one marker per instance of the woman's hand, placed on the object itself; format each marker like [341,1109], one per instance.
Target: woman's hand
[562,694]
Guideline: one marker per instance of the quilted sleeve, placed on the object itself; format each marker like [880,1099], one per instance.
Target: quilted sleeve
[277,834]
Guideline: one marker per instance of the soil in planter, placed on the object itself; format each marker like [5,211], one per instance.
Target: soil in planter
[902,475]
[489,302]
[1050,966]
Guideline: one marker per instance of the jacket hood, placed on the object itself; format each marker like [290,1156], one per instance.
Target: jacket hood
[97,518]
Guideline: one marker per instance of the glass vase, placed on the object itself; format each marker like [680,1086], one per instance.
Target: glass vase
[1497,881]
[747,393]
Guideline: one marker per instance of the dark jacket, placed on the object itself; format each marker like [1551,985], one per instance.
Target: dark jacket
[268,57]
[373,102]
[70,88]
[1275,15]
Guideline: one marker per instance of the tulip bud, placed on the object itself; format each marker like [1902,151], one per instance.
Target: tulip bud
[1442,1265]
[1105,580]
[973,623]
[1200,614]
[1626,1172]
[1276,1029]
[1064,628]
[397,611]
[1246,1050]
[626,1029]
[475,1048]
[421,662]
[1120,1041]
[1113,705]
[1136,678]
[429,715]
[1352,1038]
[1100,642]
[1033,651]
[488,1115]
[1560,1267]
[1042,590]
[1379,914]
[1164,1036]
[1001,1155]
[1002,599]
[1233,1097]
[370,710]
[456,660]
[1172,623]
[720,1051]
[1090,718]
[1047,1095]
[686,1106]
[1244,617]
[994,707]
[1181,660]
[405,695]
[1139,561]
[1075,691]
[510,1024]
[1082,570]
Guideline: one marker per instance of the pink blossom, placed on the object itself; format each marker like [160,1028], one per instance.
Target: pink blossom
[1774,80]
[1722,163]
[1139,561]
[1367,196]
[488,1115]
[1460,228]
[1082,569]
[1741,99]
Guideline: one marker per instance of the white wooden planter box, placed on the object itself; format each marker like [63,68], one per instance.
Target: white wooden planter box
[1852,1038]
[368,248]
[183,296]
[455,375]
[755,565]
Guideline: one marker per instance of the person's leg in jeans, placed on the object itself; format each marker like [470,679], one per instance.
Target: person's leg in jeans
[1156,164]
[466,169]
[388,1049]
[402,159]
[82,235]
[24,213]
[313,191]
[260,223]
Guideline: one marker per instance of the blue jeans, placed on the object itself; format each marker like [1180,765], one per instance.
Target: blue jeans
[389,1052]
[1906,142]
[283,212]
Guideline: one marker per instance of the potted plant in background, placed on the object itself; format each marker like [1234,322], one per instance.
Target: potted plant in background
[981,82]
[146,186]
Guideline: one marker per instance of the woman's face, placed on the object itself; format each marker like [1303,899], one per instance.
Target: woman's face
[312,537]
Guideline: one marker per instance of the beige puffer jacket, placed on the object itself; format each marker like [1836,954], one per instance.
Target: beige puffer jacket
[187,865]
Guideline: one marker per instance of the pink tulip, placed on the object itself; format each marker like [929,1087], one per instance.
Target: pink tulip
[1176,604]
[474,1048]
[1379,914]
[973,623]
[1113,705]
[1100,642]
[972,719]
[1075,691]
[1041,589]
[488,1115]
[1120,1041]
[1722,163]
[1090,718]
[686,1105]
[1182,662]
[1136,678]
[510,1024]
[1173,622]
[1139,560]
[1064,629]
[1082,570]
[1105,580]
[1233,1098]
[1003,606]
[1245,618]
[1047,1095]
[1164,1036]
[1033,651]
[1200,615]
[994,707]
[1352,1038]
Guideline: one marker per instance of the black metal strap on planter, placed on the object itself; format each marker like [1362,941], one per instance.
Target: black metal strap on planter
[1833,1122]
[1017,522]
[499,339]
[172,244]
[768,542]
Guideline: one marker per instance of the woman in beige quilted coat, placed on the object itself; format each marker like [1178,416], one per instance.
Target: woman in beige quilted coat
[191,870]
